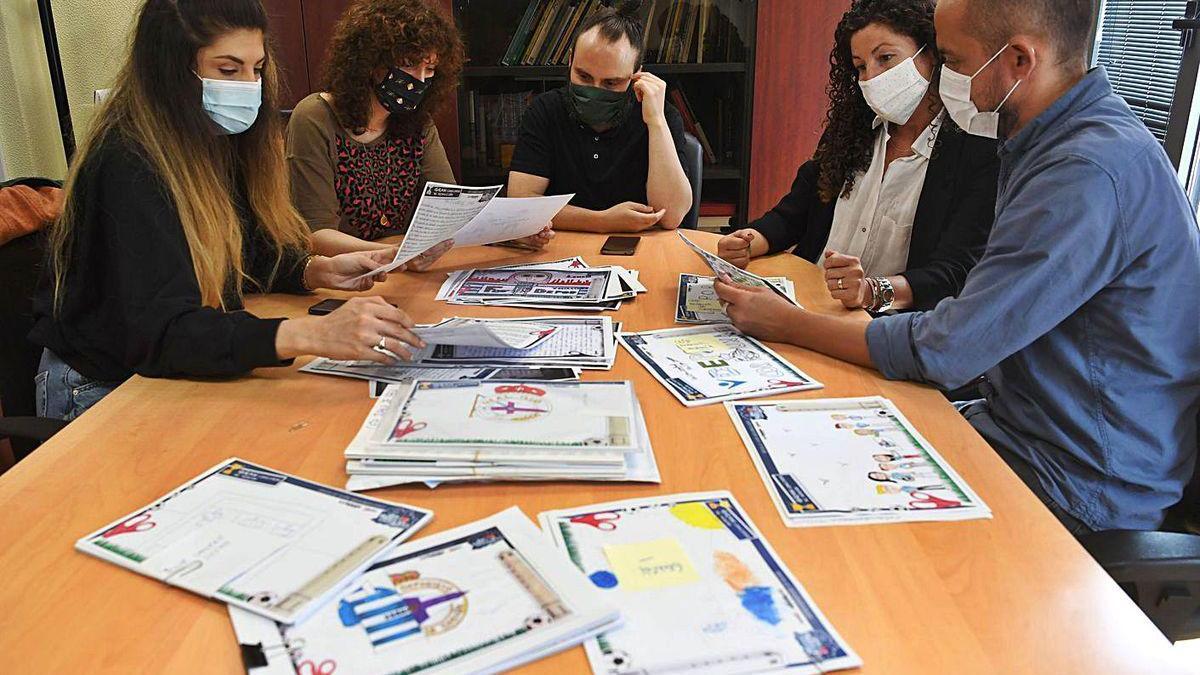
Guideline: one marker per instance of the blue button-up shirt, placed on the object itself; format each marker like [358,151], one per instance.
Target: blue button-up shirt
[1083,314]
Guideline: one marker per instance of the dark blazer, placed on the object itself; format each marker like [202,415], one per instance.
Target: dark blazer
[953,220]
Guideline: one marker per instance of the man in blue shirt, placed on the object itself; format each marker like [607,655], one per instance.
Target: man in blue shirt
[1082,314]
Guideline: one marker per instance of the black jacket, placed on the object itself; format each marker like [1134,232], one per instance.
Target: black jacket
[953,220]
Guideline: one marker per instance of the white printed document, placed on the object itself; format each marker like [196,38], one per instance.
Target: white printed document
[471,216]
[482,598]
[850,462]
[700,590]
[256,538]
[496,334]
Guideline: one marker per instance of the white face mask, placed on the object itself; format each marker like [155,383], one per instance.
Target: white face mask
[956,95]
[232,104]
[895,94]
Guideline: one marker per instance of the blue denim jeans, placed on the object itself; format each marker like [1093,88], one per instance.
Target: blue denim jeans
[64,393]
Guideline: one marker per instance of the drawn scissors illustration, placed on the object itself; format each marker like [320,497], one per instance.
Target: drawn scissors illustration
[924,500]
[600,521]
[327,667]
[139,523]
[784,383]
[406,426]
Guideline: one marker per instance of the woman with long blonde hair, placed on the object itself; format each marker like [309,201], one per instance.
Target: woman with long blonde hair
[176,207]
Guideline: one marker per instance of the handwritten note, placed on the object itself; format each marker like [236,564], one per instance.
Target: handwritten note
[660,563]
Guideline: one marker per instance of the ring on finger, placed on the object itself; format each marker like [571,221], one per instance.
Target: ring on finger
[382,344]
[841,284]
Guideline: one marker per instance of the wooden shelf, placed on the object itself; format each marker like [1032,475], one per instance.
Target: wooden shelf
[496,175]
[560,72]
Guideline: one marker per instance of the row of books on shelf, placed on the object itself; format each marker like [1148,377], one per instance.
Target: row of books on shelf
[677,31]
[494,123]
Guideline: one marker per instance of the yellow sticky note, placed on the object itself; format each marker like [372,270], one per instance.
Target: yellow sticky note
[700,344]
[651,564]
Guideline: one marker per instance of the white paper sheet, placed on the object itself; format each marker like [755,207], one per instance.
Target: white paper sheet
[722,267]
[481,598]
[701,365]
[707,594]
[849,462]
[697,301]
[463,332]
[253,537]
[507,218]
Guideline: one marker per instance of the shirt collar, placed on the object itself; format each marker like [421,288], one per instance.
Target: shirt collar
[1093,87]
[923,146]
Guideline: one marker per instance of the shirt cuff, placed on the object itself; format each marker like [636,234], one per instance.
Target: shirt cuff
[890,343]
[255,344]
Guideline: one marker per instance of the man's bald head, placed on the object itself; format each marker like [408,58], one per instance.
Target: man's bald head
[1067,25]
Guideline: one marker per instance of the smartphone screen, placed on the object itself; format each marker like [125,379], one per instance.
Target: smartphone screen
[620,246]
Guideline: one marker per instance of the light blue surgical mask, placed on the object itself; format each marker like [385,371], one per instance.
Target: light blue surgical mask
[232,104]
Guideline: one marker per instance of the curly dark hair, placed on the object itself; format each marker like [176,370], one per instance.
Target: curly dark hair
[845,147]
[375,34]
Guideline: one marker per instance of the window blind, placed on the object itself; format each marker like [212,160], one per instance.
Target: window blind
[1141,53]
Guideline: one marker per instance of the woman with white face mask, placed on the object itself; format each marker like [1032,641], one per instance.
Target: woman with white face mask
[897,203]
[177,205]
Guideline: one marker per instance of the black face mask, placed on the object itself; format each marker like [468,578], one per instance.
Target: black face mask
[596,107]
[400,92]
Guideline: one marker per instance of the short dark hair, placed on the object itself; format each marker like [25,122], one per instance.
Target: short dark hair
[621,20]
[1069,24]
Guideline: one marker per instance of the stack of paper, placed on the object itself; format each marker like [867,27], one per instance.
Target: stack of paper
[700,365]
[256,538]
[697,301]
[850,461]
[435,432]
[700,590]
[482,598]
[569,284]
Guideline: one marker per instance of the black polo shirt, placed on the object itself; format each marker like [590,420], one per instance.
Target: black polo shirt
[603,169]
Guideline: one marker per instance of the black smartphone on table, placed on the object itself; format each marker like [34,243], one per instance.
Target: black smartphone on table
[620,246]
[326,306]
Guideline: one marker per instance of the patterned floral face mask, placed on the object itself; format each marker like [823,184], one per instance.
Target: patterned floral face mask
[400,92]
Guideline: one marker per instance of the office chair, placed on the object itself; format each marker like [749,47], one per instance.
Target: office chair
[20,264]
[1159,570]
[693,166]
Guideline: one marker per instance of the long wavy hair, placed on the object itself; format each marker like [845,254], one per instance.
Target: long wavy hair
[845,147]
[375,34]
[155,107]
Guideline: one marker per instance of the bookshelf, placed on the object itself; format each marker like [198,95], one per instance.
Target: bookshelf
[704,49]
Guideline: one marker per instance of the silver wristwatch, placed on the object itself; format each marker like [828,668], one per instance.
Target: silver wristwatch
[887,295]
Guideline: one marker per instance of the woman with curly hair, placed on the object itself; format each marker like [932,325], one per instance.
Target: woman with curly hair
[360,151]
[897,202]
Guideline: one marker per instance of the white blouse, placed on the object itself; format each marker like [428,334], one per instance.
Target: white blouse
[875,222]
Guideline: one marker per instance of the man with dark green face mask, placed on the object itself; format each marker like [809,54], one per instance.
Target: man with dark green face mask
[609,136]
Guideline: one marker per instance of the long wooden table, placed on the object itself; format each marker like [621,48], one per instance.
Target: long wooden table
[1015,594]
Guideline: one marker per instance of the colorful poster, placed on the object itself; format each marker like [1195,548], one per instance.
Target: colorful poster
[479,598]
[850,461]
[700,590]
[701,365]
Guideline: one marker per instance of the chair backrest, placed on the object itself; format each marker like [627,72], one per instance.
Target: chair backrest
[1190,506]
[693,166]
[20,266]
